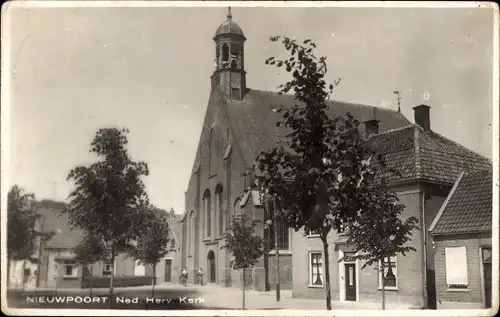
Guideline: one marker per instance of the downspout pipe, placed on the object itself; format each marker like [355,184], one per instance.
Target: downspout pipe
[424,239]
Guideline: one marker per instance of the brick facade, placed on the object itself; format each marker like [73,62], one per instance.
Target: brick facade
[410,272]
[473,297]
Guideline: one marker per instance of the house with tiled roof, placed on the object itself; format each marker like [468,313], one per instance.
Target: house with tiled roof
[462,236]
[58,268]
[240,122]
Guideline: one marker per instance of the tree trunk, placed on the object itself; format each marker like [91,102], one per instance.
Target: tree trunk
[90,279]
[383,284]
[327,273]
[243,289]
[24,275]
[154,280]
[112,277]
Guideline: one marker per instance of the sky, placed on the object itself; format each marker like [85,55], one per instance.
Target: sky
[75,70]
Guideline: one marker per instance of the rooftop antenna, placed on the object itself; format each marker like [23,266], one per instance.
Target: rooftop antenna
[398,94]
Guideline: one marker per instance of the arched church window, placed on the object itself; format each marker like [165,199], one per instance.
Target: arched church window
[235,54]
[225,55]
[208,211]
[210,150]
[220,208]
[191,230]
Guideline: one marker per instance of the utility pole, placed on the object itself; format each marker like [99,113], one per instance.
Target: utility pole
[398,94]
[277,250]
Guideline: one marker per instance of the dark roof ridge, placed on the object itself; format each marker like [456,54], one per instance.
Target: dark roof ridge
[329,100]
[394,130]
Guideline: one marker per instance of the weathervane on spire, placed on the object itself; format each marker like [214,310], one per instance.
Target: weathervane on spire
[398,94]
[229,15]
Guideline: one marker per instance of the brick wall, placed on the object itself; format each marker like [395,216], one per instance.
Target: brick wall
[214,171]
[472,244]
[410,267]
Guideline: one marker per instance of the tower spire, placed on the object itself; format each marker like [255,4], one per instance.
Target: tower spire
[229,15]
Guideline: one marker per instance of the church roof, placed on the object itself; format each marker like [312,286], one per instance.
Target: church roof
[468,207]
[254,121]
[229,27]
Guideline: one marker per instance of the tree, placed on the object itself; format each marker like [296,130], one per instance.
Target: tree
[320,173]
[245,246]
[22,231]
[110,195]
[380,233]
[90,250]
[154,244]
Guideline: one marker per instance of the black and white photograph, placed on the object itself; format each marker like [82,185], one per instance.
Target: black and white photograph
[261,158]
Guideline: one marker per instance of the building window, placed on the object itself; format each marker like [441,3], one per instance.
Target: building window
[139,269]
[220,205]
[237,207]
[210,146]
[225,55]
[107,268]
[208,213]
[315,269]
[283,231]
[487,255]
[456,268]
[70,269]
[390,277]
[192,233]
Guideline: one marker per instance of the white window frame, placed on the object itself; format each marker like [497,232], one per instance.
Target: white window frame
[74,272]
[463,283]
[394,270]
[310,270]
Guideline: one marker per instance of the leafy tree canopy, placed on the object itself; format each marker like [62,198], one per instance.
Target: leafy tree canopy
[23,232]
[321,172]
[241,241]
[109,196]
[380,232]
[155,242]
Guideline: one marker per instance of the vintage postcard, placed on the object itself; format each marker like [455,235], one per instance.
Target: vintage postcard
[250,158]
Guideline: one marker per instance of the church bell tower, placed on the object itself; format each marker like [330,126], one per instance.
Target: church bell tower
[229,74]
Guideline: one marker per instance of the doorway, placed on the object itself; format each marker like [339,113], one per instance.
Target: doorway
[350,281]
[211,267]
[168,270]
[486,257]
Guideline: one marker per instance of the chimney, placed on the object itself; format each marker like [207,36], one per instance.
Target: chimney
[422,117]
[371,127]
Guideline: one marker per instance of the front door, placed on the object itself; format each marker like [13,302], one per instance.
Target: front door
[350,281]
[487,257]
[211,266]
[168,270]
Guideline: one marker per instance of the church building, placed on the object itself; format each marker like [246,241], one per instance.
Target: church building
[239,123]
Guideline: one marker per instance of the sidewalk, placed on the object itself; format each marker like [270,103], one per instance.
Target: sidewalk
[231,298]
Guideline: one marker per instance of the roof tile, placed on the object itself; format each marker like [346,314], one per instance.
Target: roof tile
[469,208]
